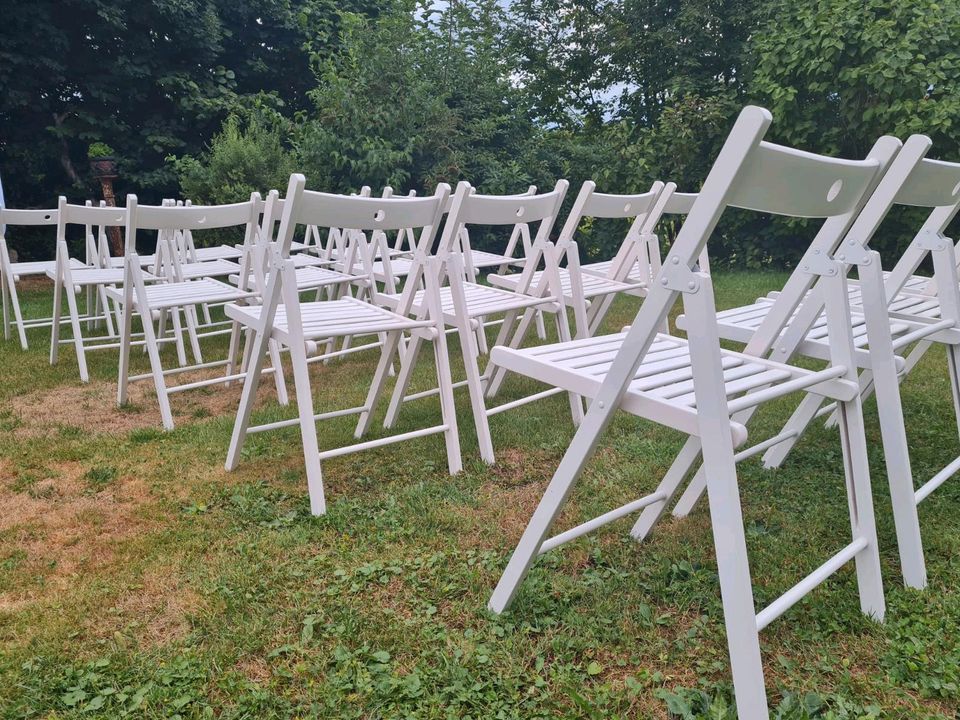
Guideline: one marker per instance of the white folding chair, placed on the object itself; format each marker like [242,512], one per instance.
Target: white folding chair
[176,296]
[298,326]
[694,386]
[70,280]
[466,305]
[12,272]
[892,312]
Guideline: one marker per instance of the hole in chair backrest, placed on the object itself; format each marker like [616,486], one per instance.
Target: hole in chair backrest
[626,208]
[834,190]
[520,211]
[378,216]
[956,190]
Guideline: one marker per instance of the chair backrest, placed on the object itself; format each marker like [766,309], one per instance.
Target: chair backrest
[932,184]
[644,208]
[757,175]
[90,216]
[469,208]
[171,218]
[359,213]
[13,216]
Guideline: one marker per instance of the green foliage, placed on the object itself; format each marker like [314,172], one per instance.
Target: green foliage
[151,77]
[419,97]
[248,154]
[410,93]
[99,150]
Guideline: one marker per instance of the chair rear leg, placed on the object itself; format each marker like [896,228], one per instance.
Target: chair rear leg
[448,408]
[279,380]
[10,285]
[156,366]
[860,500]
[379,379]
[55,321]
[308,425]
[669,485]
[408,361]
[75,325]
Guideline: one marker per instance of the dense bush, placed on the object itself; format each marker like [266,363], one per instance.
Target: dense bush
[248,154]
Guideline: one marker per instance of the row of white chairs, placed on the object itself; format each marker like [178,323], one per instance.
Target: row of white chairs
[425,284]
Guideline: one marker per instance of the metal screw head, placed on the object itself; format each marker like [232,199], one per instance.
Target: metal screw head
[663,281]
[692,285]
[675,260]
[601,404]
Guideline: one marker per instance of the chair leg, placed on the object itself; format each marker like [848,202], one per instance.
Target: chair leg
[669,485]
[156,367]
[191,320]
[55,320]
[379,379]
[5,298]
[860,498]
[177,335]
[126,330]
[953,365]
[541,327]
[726,516]
[255,351]
[104,303]
[475,387]
[75,325]
[448,408]
[308,425]
[279,380]
[408,361]
[233,349]
[733,569]
[10,285]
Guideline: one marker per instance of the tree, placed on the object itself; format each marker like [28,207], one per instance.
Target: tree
[150,77]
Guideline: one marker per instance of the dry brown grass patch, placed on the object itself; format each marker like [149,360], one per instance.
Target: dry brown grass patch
[158,609]
[65,528]
[92,407]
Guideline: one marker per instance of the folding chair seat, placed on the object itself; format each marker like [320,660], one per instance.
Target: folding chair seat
[663,382]
[208,269]
[480,301]
[899,310]
[312,277]
[696,387]
[175,297]
[299,326]
[220,252]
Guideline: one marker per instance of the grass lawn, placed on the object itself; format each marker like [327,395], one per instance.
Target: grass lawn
[138,578]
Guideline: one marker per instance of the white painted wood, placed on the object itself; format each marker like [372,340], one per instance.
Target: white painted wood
[284,318]
[689,384]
